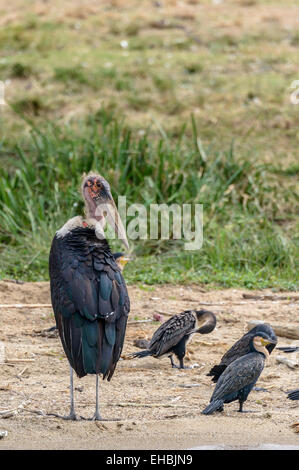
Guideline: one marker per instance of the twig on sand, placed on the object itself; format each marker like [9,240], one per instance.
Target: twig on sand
[134,322]
[25,306]
[8,362]
[147,405]
[13,412]
[270,297]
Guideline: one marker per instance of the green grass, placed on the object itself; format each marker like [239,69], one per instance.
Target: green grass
[231,67]
[249,210]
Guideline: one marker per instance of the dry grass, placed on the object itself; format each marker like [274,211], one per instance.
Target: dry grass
[230,64]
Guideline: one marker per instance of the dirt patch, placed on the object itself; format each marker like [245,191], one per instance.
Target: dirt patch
[159,407]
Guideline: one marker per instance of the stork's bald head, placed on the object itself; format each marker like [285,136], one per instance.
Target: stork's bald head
[100,205]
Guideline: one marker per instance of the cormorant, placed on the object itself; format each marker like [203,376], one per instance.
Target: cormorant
[173,335]
[242,347]
[238,379]
[88,292]
[294,394]
[289,349]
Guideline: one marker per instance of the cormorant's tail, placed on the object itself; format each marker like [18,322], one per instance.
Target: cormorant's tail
[144,353]
[213,406]
[288,349]
[216,371]
[294,395]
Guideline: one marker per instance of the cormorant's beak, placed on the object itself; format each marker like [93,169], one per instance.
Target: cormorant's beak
[265,342]
[122,261]
[106,208]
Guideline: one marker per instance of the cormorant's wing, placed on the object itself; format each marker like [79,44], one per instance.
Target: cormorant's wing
[171,332]
[294,394]
[240,348]
[240,373]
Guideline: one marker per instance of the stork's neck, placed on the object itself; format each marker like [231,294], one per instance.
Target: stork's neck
[80,222]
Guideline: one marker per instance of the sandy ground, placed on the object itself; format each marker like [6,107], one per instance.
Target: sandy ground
[157,407]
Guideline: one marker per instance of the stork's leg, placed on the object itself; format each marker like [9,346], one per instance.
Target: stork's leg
[72,416]
[97,416]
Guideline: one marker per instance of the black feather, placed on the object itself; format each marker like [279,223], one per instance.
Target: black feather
[90,301]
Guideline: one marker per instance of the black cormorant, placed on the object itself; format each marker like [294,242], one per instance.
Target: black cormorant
[88,292]
[288,349]
[294,394]
[241,347]
[173,335]
[238,379]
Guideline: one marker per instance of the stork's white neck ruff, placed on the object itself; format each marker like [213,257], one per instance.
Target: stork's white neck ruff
[78,221]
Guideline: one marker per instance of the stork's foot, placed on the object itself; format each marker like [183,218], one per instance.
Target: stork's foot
[70,417]
[97,417]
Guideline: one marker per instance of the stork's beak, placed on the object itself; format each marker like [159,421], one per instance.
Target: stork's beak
[106,208]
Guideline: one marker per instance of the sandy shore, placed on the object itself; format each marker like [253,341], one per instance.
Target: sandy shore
[157,407]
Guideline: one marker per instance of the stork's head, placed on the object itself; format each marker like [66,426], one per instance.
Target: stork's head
[100,206]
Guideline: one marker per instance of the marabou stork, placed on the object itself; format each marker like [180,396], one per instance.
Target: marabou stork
[88,292]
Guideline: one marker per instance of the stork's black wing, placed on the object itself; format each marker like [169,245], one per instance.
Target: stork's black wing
[171,332]
[90,302]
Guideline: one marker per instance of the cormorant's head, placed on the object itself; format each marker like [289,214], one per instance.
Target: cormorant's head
[100,205]
[121,260]
[206,321]
[260,341]
[265,328]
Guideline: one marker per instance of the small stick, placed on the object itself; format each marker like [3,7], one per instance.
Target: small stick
[139,321]
[25,305]
[16,361]
[148,405]
[21,373]
[271,297]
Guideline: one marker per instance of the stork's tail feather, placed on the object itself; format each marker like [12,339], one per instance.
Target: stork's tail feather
[213,406]
[144,353]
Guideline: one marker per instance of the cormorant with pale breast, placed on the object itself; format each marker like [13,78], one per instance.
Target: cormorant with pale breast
[173,335]
[88,292]
[239,378]
[242,347]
